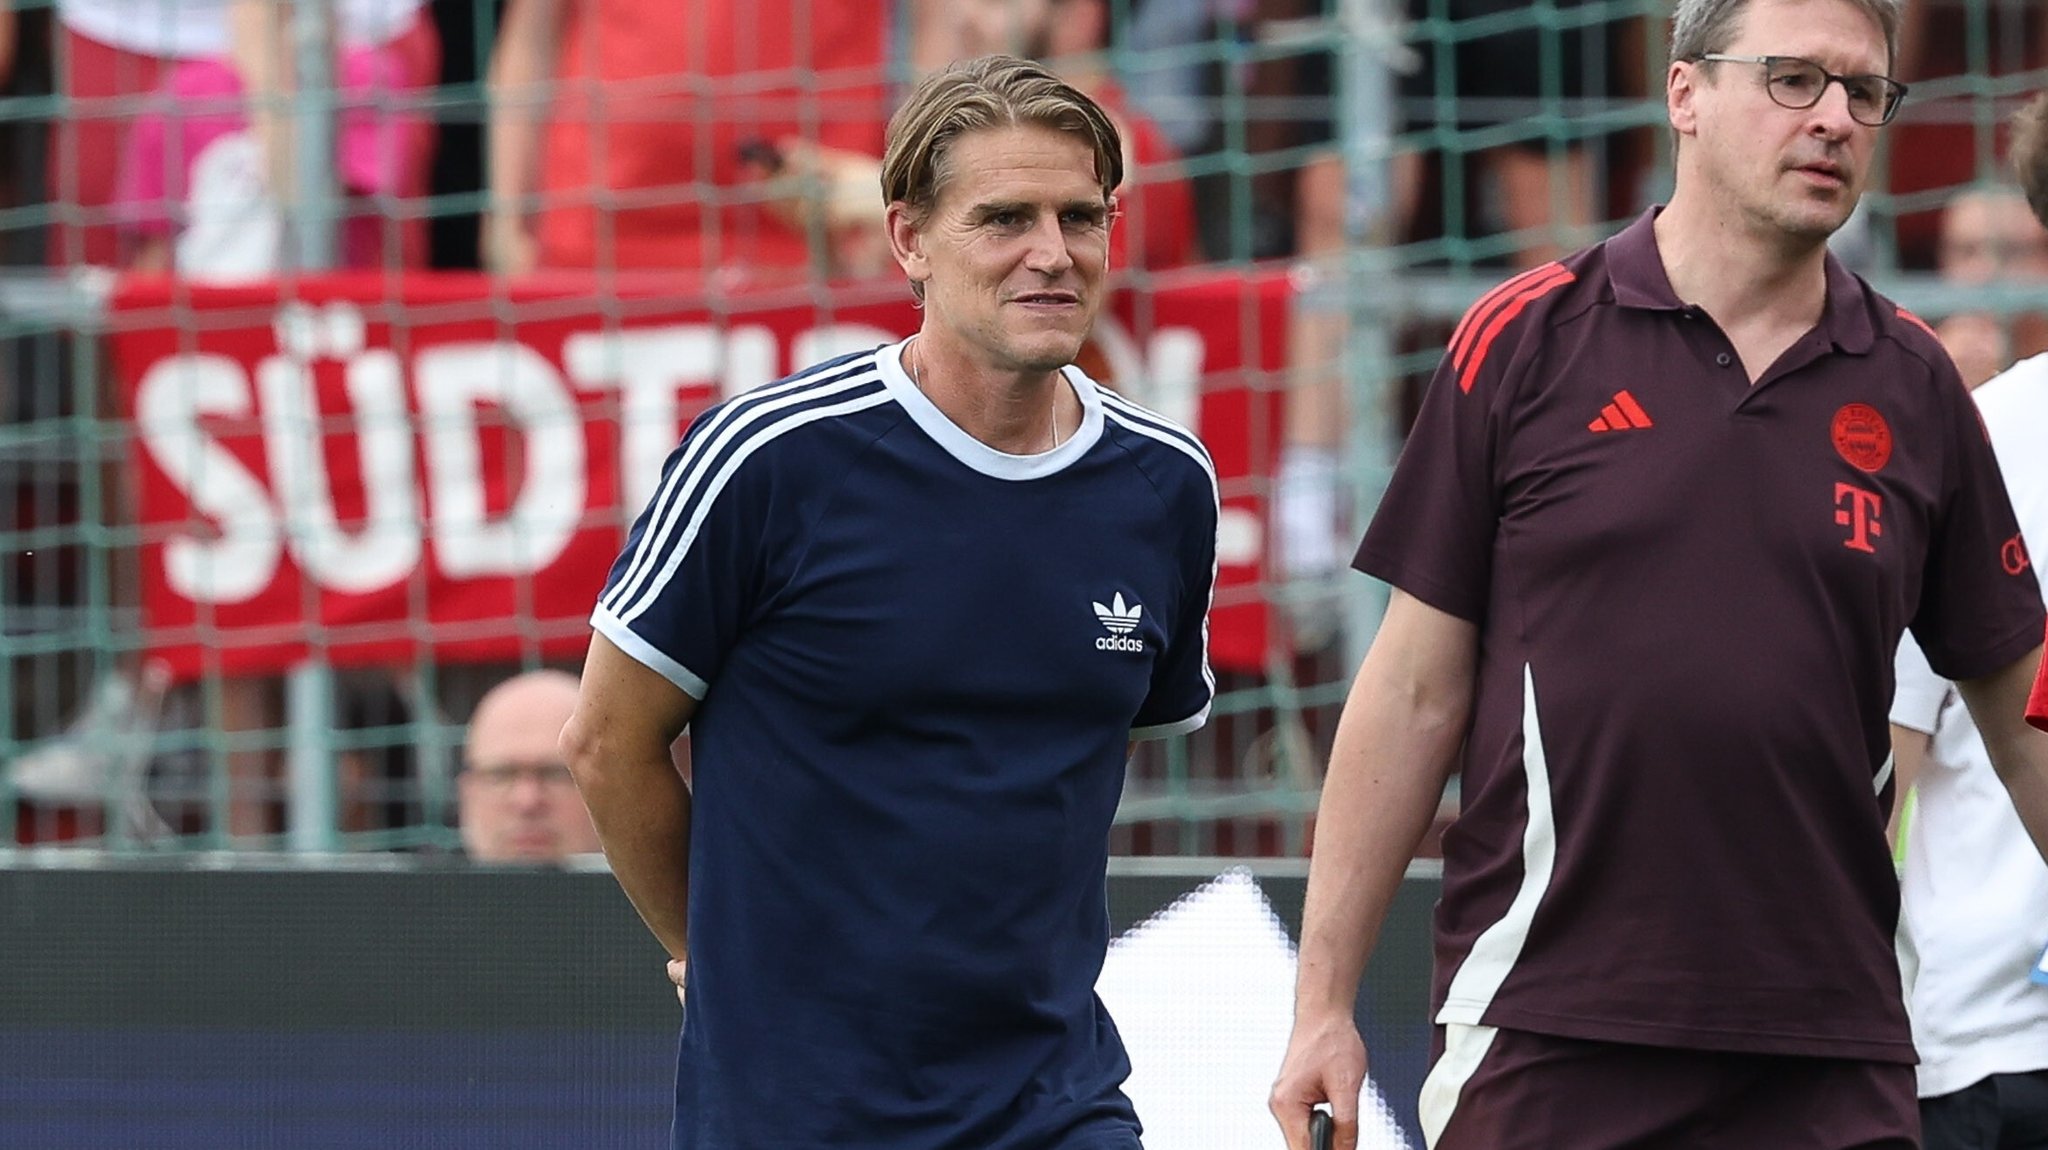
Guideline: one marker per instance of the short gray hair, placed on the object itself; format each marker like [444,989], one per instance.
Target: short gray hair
[1699,27]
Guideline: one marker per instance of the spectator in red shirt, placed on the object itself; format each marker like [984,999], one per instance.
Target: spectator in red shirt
[207,180]
[621,130]
[1156,229]
[114,53]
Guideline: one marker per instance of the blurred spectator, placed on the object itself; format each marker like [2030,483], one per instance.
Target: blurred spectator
[116,53]
[2030,155]
[1167,74]
[21,74]
[626,133]
[209,176]
[1973,894]
[188,105]
[1988,236]
[1156,227]
[7,33]
[1941,141]
[519,802]
[1544,194]
[93,776]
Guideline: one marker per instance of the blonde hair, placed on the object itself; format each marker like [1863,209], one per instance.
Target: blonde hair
[988,92]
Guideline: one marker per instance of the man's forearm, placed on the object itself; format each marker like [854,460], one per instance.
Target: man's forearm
[519,82]
[1396,744]
[1383,790]
[642,814]
[1909,762]
[262,57]
[2019,753]
[2029,789]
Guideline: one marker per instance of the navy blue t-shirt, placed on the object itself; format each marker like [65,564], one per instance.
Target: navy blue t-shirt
[918,661]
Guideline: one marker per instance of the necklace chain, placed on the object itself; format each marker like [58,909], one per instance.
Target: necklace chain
[917,381]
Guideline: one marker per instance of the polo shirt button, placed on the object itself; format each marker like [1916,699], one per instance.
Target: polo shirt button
[1724,359]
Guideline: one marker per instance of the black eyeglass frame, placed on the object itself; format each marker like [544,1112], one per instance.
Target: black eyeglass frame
[1895,90]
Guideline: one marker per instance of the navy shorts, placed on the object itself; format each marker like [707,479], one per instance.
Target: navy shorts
[1513,1090]
[2002,1112]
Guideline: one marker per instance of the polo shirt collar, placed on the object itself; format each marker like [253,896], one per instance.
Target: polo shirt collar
[1635,271]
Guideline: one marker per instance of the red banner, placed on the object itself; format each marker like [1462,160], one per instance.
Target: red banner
[382,470]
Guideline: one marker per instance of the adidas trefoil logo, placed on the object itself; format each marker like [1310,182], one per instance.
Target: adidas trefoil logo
[1120,621]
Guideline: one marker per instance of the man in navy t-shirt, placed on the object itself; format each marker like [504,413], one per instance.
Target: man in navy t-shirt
[912,604]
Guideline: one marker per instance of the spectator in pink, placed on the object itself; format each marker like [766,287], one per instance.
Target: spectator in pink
[206,182]
[112,54]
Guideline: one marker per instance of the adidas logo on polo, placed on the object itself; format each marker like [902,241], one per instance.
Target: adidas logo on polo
[1623,414]
[1120,621]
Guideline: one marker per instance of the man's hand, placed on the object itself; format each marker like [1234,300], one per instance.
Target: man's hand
[677,968]
[833,189]
[812,184]
[1325,1063]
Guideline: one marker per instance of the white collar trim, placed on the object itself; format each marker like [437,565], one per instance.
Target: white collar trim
[973,452]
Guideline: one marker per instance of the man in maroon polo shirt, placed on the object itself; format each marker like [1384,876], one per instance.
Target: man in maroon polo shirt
[1668,507]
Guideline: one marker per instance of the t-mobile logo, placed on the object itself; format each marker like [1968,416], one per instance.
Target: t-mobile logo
[1859,516]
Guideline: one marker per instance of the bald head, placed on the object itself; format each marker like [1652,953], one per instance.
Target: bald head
[519,803]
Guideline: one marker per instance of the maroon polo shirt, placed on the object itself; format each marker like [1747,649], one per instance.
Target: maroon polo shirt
[1689,590]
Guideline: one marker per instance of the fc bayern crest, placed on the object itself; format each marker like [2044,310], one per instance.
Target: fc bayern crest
[1862,437]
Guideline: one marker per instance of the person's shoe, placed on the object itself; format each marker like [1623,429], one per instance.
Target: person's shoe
[99,751]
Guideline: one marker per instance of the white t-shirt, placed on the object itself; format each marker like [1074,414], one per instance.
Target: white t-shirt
[1975,891]
[198,29]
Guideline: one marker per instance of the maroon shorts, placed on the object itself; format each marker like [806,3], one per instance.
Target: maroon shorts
[1523,1091]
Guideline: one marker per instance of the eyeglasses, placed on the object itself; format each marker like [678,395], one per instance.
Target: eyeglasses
[1799,84]
[503,777]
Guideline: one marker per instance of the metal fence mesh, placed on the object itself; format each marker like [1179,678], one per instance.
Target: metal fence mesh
[1323,186]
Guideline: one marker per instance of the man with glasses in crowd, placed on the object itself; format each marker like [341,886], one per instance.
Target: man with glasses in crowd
[1667,510]
[518,801]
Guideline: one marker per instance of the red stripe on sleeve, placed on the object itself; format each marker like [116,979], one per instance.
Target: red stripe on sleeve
[1916,321]
[1476,315]
[1500,321]
[1462,334]
[2037,704]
